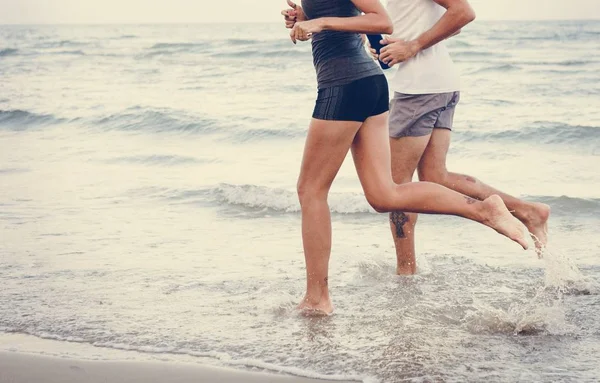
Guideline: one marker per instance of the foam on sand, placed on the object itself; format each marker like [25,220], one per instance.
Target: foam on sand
[16,367]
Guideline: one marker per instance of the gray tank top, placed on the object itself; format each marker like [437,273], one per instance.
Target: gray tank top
[339,57]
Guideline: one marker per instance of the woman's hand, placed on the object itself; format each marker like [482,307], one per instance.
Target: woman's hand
[304,30]
[292,15]
[372,51]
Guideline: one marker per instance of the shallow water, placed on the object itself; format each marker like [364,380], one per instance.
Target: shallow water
[147,203]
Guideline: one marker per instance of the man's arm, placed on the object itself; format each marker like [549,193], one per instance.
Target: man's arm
[458,14]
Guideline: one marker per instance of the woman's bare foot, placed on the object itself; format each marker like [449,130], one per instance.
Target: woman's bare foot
[496,215]
[315,307]
[406,268]
[535,218]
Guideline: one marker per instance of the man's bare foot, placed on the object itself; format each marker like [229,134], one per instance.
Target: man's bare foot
[315,307]
[496,215]
[536,221]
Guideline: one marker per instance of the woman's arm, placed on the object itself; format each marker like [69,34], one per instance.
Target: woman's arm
[374,20]
[292,15]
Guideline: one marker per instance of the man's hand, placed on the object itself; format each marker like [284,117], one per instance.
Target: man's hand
[397,50]
[292,15]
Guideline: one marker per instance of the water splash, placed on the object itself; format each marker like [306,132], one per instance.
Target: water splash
[545,312]
[562,275]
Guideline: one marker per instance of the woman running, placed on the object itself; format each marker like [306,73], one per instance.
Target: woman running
[351,112]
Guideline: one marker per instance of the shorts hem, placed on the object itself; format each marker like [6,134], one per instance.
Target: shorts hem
[341,119]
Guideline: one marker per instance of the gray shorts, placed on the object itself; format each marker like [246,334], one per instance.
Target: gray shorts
[415,115]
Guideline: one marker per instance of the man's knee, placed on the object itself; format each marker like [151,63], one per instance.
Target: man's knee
[433,174]
[402,178]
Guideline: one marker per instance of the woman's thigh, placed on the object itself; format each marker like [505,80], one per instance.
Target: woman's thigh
[327,145]
[372,159]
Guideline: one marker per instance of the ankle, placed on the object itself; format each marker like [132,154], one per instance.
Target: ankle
[316,294]
[406,268]
[481,211]
[527,213]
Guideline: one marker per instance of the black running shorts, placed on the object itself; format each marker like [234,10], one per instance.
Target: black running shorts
[355,101]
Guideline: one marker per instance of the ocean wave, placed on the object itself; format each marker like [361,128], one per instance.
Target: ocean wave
[222,48]
[284,201]
[13,170]
[169,49]
[264,54]
[8,52]
[260,199]
[498,68]
[157,120]
[158,160]
[561,36]
[177,46]
[474,54]
[566,62]
[279,43]
[21,119]
[240,42]
[459,43]
[74,53]
[548,133]
[564,205]
[260,134]
[266,200]
[222,43]
[62,44]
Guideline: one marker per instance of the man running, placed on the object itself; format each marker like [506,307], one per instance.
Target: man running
[426,91]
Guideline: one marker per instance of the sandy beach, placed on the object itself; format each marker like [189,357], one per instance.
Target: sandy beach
[26,368]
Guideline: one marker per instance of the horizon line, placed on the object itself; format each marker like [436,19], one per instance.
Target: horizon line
[241,23]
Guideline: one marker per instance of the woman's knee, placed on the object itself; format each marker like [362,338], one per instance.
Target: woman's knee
[381,201]
[308,191]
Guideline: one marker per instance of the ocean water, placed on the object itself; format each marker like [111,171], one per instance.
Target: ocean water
[147,203]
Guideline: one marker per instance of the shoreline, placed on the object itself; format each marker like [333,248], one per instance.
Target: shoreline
[18,367]
[28,359]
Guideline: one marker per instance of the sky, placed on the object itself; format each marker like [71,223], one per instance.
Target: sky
[199,11]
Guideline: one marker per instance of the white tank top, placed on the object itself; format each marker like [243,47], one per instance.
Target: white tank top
[431,70]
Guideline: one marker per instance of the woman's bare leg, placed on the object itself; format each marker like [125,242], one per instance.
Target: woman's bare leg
[371,153]
[326,147]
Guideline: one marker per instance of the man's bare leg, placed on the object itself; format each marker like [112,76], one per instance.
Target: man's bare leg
[433,168]
[372,159]
[406,153]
